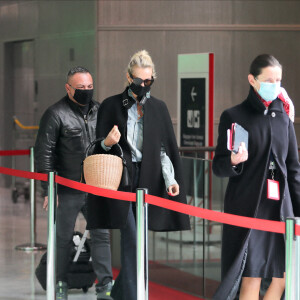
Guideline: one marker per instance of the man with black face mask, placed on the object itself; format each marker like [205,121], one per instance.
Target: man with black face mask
[66,129]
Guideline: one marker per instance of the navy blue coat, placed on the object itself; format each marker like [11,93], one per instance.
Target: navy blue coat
[158,129]
[270,130]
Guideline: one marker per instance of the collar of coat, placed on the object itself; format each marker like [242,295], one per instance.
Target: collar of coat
[254,101]
[75,107]
[127,101]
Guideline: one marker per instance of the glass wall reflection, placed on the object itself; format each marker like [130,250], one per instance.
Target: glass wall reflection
[190,261]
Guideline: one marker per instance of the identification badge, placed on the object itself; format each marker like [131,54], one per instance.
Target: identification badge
[273,189]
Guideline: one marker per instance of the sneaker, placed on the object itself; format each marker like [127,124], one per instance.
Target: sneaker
[103,292]
[61,291]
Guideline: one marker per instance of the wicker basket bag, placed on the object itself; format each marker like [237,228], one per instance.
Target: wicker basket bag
[103,170]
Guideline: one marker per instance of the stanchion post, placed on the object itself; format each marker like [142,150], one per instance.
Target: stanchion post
[297,262]
[146,249]
[32,201]
[13,159]
[32,246]
[289,255]
[51,249]
[142,244]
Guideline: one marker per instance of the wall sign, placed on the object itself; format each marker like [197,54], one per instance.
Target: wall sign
[195,99]
[193,114]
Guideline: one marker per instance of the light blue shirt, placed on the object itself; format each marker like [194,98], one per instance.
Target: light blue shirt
[135,127]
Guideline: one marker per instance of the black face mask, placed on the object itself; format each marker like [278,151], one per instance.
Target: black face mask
[139,90]
[83,97]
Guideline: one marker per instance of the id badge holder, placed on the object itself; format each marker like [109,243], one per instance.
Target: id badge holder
[273,188]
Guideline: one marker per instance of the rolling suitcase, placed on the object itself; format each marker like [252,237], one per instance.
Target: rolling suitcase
[80,274]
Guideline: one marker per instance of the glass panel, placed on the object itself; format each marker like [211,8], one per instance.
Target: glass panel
[190,260]
[214,196]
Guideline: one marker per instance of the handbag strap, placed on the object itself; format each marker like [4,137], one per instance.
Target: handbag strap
[125,175]
[100,140]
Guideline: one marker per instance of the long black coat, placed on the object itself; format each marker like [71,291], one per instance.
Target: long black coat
[269,131]
[158,129]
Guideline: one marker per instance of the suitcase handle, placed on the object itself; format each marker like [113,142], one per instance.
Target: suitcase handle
[80,246]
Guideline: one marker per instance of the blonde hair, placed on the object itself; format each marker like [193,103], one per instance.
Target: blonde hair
[141,59]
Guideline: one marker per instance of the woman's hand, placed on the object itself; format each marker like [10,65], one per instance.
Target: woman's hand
[239,157]
[173,190]
[113,137]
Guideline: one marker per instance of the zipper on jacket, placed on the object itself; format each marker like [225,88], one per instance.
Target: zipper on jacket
[86,127]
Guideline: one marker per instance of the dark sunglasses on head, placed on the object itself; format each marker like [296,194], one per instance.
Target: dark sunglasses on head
[139,81]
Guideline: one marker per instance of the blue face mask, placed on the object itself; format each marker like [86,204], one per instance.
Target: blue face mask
[269,91]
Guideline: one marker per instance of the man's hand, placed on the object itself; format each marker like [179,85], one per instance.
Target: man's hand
[45,205]
[113,137]
[173,190]
[239,157]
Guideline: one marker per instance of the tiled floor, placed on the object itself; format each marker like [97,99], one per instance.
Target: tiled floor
[17,279]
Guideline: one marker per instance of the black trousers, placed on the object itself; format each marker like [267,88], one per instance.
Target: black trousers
[67,211]
[125,287]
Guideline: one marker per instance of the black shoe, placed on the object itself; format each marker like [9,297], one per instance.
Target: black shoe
[61,291]
[103,292]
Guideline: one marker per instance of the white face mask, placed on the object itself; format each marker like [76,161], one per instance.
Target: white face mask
[269,91]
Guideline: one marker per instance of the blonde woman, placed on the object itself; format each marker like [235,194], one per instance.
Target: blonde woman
[142,126]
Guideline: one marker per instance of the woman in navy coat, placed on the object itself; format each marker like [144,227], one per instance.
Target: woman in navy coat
[250,255]
[142,126]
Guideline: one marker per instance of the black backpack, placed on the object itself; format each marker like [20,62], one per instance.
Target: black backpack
[81,274]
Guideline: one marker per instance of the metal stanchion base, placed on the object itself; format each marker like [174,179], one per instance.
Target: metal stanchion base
[29,247]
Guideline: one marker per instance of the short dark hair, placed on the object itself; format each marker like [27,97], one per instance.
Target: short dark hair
[75,70]
[263,61]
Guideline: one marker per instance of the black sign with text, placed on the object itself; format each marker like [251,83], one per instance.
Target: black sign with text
[192,112]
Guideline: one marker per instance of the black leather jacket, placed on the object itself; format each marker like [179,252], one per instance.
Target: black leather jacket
[63,136]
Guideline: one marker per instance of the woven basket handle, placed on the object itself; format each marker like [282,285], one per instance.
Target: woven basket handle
[125,176]
[100,140]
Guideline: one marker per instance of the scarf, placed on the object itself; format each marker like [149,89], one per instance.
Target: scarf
[287,103]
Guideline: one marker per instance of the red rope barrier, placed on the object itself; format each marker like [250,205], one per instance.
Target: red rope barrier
[24,174]
[14,152]
[96,190]
[225,218]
